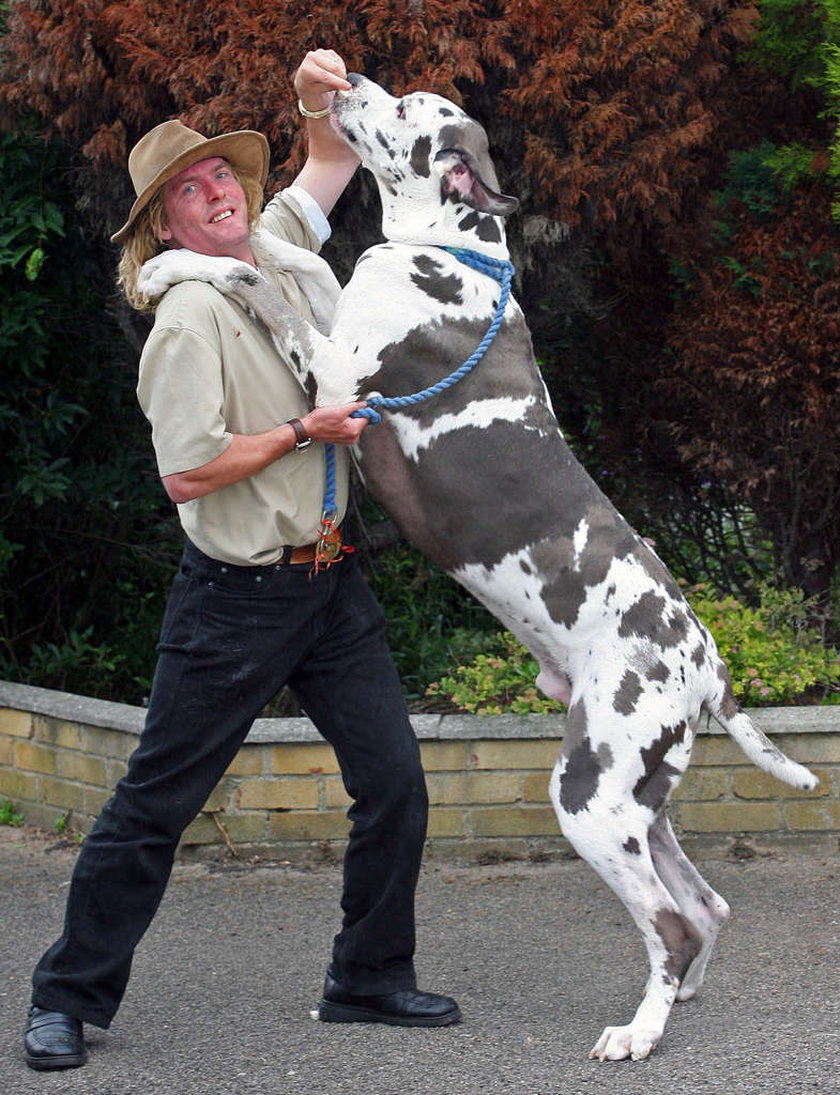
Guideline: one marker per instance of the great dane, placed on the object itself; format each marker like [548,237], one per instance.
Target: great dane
[480,479]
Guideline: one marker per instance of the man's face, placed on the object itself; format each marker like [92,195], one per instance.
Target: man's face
[205,210]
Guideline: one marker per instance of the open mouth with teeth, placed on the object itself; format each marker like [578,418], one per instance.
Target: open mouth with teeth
[222,216]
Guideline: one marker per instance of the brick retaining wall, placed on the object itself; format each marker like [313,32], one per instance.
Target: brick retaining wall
[60,756]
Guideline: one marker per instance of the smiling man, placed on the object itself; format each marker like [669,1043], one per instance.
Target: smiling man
[242,455]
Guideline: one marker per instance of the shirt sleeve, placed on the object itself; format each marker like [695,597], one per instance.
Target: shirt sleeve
[294,215]
[180,392]
[312,211]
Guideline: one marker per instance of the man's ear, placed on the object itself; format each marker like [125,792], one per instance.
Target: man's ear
[460,179]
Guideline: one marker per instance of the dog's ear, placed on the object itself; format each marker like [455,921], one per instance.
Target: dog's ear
[461,178]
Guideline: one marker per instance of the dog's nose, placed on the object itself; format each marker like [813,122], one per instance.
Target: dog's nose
[354,78]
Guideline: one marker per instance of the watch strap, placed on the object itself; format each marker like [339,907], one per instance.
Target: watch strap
[302,438]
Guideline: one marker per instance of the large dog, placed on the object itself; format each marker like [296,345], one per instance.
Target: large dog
[480,479]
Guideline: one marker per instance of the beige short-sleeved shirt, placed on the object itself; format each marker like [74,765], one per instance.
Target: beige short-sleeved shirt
[208,371]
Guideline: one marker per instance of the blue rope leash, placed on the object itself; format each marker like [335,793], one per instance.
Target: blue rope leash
[502,271]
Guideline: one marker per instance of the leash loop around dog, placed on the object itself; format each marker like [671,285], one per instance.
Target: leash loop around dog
[502,271]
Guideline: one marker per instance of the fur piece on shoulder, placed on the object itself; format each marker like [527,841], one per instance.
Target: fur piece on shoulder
[310,271]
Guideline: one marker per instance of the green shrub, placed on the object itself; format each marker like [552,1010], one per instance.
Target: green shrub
[432,622]
[497,682]
[773,655]
[10,816]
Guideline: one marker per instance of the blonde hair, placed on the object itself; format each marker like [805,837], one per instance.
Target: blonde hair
[144,241]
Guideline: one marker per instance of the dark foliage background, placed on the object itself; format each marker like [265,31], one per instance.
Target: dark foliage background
[676,256]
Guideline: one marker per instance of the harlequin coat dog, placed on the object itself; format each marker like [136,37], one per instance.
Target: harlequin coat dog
[480,479]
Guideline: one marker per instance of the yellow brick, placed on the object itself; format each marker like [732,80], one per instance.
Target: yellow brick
[335,795]
[811,748]
[302,759]
[444,756]
[819,816]
[703,785]
[509,821]
[540,755]
[752,783]
[64,735]
[249,761]
[35,758]
[244,828]
[473,787]
[7,750]
[17,724]
[18,785]
[446,821]
[93,799]
[329,825]
[728,817]
[108,743]
[114,771]
[202,831]
[536,787]
[82,768]
[719,751]
[219,798]
[58,792]
[279,794]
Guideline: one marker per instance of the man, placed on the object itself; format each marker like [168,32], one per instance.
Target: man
[242,455]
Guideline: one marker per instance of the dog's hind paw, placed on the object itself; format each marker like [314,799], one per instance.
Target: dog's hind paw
[619,1043]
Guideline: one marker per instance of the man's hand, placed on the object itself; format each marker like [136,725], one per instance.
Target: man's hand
[335,425]
[331,161]
[321,73]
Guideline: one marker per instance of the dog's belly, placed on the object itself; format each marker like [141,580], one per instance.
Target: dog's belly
[546,553]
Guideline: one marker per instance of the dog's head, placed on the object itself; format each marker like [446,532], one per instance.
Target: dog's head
[431,161]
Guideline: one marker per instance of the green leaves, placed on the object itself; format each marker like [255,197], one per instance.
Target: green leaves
[773,656]
[29,221]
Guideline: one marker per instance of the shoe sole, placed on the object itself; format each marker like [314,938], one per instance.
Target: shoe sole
[56,1062]
[330,1012]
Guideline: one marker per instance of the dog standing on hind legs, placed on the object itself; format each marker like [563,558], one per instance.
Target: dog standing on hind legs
[480,479]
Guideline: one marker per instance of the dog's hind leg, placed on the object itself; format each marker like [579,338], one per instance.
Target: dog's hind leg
[616,846]
[606,812]
[697,901]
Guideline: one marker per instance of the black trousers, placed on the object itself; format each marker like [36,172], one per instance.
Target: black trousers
[231,637]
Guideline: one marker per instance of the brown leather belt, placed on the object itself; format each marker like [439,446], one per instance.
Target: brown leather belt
[294,555]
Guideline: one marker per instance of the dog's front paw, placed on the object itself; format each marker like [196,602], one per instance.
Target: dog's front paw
[167,269]
[619,1043]
[156,276]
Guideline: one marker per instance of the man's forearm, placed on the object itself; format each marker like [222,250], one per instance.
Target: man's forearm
[249,453]
[244,456]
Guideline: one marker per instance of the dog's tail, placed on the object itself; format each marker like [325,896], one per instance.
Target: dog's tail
[759,748]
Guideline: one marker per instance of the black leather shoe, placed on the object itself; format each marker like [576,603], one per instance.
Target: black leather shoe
[405,1008]
[53,1040]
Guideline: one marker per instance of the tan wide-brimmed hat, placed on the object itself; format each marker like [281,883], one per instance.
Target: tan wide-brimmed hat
[172,146]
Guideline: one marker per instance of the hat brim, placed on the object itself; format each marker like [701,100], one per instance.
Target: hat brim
[245,150]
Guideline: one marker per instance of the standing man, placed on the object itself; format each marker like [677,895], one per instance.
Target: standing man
[242,455]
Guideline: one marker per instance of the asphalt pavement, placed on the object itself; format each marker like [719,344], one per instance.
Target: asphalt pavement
[540,956]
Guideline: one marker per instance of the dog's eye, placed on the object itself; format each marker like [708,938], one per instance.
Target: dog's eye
[400,109]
